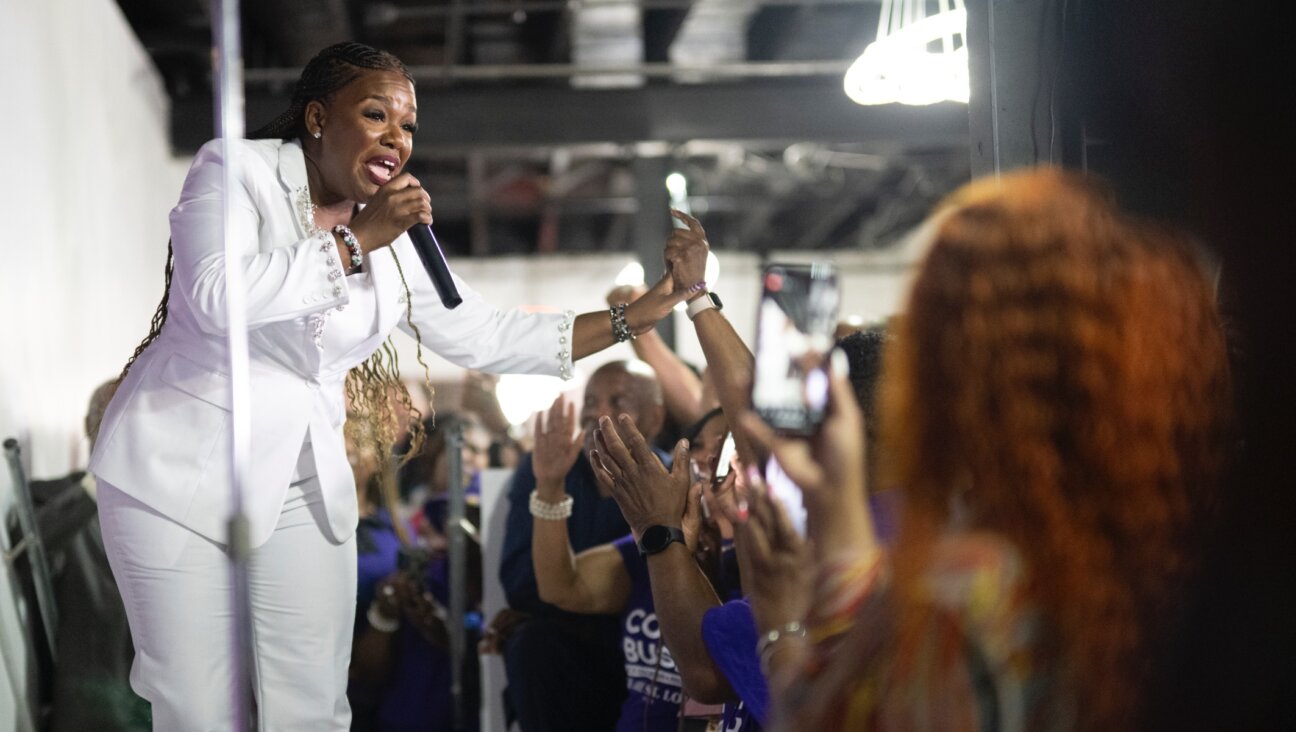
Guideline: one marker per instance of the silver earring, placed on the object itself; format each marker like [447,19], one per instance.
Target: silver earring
[318,134]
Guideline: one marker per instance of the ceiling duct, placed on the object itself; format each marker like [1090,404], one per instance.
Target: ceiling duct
[714,33]
[607,33]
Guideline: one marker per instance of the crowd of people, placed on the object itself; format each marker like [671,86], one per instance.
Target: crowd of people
[1005,502]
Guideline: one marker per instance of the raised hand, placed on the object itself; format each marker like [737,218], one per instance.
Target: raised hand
[557,445]
[829,467]
[646,491]
[686,255]
[774,562]
[625,294]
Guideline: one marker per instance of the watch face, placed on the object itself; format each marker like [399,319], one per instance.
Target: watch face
[715,300]
[657,538]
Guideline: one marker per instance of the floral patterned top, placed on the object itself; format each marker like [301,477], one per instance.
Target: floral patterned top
[978,656]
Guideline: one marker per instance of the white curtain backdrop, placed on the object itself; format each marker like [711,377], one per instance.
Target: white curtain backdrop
[88,179]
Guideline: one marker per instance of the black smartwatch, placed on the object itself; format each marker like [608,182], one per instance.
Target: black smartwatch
[655,539]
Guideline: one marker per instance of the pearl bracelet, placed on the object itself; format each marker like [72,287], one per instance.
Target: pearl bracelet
[380,622]
[543,509]
[352,245]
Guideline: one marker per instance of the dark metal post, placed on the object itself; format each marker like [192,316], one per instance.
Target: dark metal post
[458,567]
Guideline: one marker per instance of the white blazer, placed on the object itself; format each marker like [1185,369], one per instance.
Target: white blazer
[165,436]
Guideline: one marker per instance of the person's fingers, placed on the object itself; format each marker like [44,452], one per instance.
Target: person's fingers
[614,447]
[781,530]
[727,499]
[679,461]
[605,477]
[568,418]
[841,395]
[692,223]
[755,535]
[634,441]
[693,506]
[793,455]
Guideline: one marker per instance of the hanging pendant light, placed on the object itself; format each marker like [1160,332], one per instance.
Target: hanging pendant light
[919,57]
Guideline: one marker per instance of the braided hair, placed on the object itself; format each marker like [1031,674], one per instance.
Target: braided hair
[330,70]
[374,390]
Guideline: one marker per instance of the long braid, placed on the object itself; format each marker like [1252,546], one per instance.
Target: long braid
[159,316]
[374,389]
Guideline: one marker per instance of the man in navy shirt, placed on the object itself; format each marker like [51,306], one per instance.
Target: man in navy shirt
[552,654]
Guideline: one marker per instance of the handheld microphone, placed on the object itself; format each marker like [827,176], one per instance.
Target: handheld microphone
[434,261]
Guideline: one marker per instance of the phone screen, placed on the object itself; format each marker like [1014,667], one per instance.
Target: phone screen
[723,463]
[795,323]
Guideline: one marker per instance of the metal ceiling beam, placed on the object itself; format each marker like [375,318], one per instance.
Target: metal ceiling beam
[814,110]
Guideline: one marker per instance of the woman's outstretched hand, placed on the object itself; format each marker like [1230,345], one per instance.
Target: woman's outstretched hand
[685,257]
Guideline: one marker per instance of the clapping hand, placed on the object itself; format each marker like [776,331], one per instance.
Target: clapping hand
[557,445]
[686,255]
[774,562]
[646,491]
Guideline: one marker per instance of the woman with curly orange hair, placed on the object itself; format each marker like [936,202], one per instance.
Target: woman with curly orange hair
[1055,409]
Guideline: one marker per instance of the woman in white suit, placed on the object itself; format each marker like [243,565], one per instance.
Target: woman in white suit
[321,209]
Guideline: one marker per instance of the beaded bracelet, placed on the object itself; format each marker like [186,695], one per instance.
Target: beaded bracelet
[543,509]
[768,643]
[352,245]
[620,329]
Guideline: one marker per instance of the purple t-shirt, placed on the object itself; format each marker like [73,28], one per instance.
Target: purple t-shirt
[729,632]
[652,679]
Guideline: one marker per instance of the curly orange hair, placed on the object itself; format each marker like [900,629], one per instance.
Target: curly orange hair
[1061,372]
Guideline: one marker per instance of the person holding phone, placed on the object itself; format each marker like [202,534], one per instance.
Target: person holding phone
[1057,413]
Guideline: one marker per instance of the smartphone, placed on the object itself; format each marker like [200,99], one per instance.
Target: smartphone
[724,463]
[796,319]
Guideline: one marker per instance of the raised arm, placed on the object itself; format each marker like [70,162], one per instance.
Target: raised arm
[479,336]
[595,581]
[681,387]
[730,363]
[649,495]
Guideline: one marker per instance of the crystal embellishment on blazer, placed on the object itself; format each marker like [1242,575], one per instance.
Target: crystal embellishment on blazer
[328,247]
[564,354]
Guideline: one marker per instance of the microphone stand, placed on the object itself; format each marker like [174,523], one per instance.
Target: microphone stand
[458,565]
[227,55]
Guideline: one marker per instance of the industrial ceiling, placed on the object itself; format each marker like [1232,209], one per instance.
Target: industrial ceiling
[548,126]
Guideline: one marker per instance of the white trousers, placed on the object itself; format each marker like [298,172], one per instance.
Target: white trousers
[176,588]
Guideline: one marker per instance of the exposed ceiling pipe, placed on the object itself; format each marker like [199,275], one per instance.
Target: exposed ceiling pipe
[506,72]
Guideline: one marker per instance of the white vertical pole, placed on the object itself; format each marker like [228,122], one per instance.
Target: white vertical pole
[227,55]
